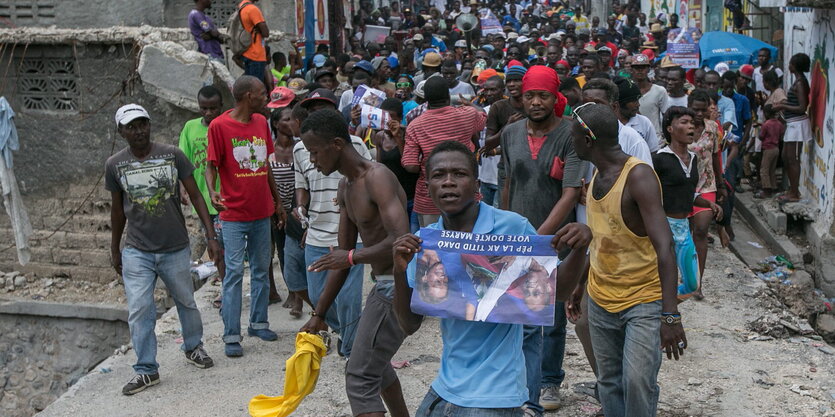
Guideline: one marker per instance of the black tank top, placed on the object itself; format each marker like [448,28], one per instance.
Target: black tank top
[391,159]
[791,100]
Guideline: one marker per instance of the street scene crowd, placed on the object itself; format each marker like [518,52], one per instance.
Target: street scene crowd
[557,124]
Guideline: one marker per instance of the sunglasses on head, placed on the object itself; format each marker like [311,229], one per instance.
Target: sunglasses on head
[583,124]
[403,85]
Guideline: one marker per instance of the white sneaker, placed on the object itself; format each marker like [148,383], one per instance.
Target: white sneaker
[549,398]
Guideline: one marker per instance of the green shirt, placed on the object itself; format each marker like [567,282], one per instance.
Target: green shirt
[279,76]
[193,141]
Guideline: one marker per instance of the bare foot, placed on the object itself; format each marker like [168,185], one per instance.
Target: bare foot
[724,239]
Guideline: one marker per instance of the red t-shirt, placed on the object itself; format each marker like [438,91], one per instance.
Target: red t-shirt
[770,133]
[239,151]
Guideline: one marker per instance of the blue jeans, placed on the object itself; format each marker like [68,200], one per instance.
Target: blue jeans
[139,271]
[414,224]
[295,270]
[345,313]
[488,193]
[627,349]
[553,348]
[252,239]
[254,68]
[435,406]
[532,349]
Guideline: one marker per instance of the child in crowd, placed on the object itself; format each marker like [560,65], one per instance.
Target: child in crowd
[771,133]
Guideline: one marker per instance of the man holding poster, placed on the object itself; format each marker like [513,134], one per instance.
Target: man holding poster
[482,368]
[372,204]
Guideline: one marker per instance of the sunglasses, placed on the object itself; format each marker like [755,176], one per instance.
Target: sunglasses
[583,124]
[403,85]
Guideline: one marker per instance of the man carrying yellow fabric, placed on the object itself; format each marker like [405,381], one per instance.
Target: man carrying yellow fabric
[302,371]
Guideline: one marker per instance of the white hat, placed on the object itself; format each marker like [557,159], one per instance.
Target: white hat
[417,38]
[419,89]
[129,113]
[460,43]
[522,39]
[721,68]
[553,36]
[512,35]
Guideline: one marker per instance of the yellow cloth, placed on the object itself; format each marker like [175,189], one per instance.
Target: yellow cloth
[302,371]
[624,266]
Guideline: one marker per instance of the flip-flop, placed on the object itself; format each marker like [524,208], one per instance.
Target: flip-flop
[785,199]
[217,303]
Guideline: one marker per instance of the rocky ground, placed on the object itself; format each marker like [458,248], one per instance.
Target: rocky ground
[729,369]
[59,288]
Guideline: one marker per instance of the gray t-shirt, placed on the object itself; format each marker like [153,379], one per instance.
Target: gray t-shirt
[536,184]
[151,196]
[653,103]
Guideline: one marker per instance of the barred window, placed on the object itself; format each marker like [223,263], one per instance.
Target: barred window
[48,84]
[28,12]
[221,11]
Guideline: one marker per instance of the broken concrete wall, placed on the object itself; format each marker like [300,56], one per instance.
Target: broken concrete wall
[279,14]
[83,13]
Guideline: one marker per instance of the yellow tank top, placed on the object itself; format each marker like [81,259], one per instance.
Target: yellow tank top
[624,266]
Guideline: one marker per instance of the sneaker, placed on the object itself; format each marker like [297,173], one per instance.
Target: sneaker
[139,382]
[266,335]
[234,350]
[549,398]
[199,358]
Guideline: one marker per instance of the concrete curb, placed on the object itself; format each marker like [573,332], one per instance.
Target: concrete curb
[64,310]
[747,207]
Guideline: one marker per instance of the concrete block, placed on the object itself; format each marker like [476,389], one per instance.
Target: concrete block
[66,257]
[778,221]
[95,258]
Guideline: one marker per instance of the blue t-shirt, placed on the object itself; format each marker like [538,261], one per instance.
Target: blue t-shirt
[743,112]
[727,110]
[198,24]
[482,365]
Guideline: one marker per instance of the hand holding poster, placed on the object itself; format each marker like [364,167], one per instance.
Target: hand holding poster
[373,117]
[492,278]
[367,95]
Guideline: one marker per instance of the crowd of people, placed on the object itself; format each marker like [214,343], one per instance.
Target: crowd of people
[553,126]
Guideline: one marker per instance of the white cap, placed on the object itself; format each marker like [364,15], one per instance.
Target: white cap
[553,36]
[130,112]
[522,39]
[512,35]
[417,38]
[419,89]
[460,43]
[721,68]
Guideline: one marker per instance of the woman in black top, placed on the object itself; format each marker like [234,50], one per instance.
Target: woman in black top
[390,143]
[678,172]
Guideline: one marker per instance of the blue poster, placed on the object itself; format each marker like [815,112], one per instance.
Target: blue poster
[491,278]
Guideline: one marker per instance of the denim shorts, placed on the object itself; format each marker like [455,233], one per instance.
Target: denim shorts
[435,406]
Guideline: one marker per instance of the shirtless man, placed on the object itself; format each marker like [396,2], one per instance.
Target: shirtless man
[367,208]
[632,282]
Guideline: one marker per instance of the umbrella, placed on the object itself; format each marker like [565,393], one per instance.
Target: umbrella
[734,49]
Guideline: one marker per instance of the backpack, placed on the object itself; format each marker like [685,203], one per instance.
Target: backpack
[239,39]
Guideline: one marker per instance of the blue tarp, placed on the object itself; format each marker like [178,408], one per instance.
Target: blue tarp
[732,48]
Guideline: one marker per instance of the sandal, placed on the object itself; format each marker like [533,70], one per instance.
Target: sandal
[217,303]
[296,313]
[786,199]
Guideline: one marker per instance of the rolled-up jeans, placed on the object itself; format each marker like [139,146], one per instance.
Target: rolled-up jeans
[254,238]
[627,347]
[139,271]
[344,315]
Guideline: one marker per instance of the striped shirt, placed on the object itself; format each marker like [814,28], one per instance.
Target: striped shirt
[285,181]
[323,209]
[430,129]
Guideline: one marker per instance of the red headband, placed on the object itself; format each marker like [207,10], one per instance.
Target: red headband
[542,78]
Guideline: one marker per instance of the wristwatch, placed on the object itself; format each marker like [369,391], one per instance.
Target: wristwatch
[671,319]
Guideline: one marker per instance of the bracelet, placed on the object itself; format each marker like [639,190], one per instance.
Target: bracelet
[212,238]
[351,257]
[671,314]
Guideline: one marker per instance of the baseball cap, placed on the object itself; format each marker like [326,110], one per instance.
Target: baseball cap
[318,60]
[460,43]
[640,59]
[721,68]
[298,86]
[432,59]
[602,31]
[319,94]
[656,27]
[604,49]
[500,34]
[512,35]
[129,113]
[553,36]
[419,89]
[365,66]
[522,39]
[746,71]
[417,38]
[281,97]
[628,90]
[322,72]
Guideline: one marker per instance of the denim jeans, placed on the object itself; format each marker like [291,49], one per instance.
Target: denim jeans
[295,270]
[345,312]
[627,347]
[254,68]
[139,271]
[252,238]
[414,224]
[553,349]
[435,406]
[488,193]
[532,349]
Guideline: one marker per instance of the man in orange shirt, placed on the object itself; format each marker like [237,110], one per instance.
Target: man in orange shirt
[254,59]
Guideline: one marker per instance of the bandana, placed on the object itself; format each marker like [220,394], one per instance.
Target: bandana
[542,78]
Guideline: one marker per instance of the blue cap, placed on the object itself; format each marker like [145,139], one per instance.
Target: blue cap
[515,72]
[318,60]
[488,48]
[365,66]
[393,62]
